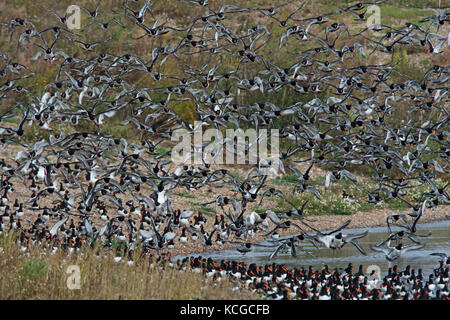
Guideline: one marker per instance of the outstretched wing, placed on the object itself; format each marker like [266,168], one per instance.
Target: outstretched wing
[274,254]
[385,250]
[338,228]
[273,217]
[358,246]
[347,175]
[352,237]
[57,225]
[88,227]
[413,247]
[146,234]
[328,180]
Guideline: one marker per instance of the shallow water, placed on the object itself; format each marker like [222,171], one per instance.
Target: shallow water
[439,241]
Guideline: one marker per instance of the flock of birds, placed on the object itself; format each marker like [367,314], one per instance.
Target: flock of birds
[102,189]
[278,282]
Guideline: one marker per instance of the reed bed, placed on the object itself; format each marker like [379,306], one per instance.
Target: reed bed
[38,274]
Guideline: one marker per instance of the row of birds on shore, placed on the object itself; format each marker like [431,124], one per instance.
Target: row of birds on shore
[279,282]
[99,188]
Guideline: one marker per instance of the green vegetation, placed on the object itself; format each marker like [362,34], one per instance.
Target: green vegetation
[207,211]
[186,195]
[403,12]
[334,202]
[285,180]
[393,13]
[33,269]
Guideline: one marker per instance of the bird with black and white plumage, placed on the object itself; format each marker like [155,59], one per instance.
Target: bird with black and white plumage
[100,82]
[395,252]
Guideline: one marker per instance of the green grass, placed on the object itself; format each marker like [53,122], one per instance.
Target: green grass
[33,269]
[397,205]
[285,180]
[404,13]
[9,120]
[365,206]
[204,210]
[319,181]
[328,206]
[235,174]
[186,195]
[260,210]
[161,151]
[334,203]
